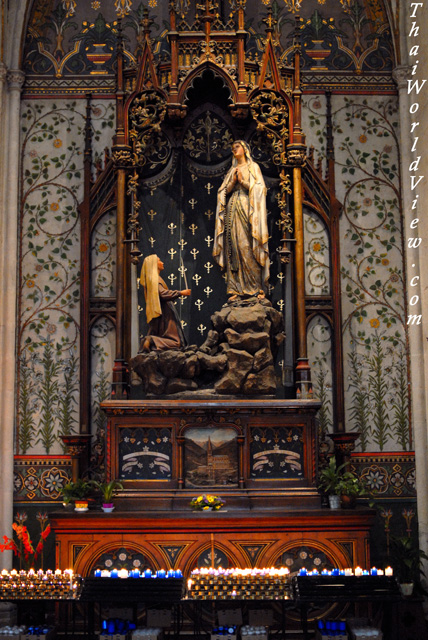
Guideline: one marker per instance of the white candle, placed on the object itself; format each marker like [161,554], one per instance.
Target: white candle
[358,571]
[388,571]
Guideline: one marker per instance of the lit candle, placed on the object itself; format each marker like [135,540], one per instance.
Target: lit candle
[97,573]
[358,571]
[123,573]
[147,573]
[388,571]
[373,571]
[105,573]
[302,571]
[114,573]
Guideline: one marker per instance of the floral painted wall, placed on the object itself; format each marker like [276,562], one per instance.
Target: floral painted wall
[48,322]
[69,51]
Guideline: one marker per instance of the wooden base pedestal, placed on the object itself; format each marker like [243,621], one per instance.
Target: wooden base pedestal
[313,538]
[259,455]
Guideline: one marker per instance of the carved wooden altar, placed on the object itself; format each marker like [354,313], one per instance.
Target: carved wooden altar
[320,538]
[168,450]
[210,84]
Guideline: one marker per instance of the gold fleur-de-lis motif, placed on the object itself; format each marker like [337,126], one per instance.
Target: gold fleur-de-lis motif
[172,227]
[192,203]
[172,253]
[208,266]
[194,253]
[152,213]
[193,228]
[208,240]
[209,214]
[196,278]
[199,304]
[172,278]
[201,328]
[208,290]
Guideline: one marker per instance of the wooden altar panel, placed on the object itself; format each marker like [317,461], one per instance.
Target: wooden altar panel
[184,540]
[258,453]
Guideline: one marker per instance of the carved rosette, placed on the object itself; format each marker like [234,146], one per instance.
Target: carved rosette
[296,155]
[122,157]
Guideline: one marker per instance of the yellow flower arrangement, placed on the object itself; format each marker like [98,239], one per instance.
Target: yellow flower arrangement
[207,501]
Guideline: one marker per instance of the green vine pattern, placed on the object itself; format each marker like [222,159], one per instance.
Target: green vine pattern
[317,257]
[373,293]
[48,327]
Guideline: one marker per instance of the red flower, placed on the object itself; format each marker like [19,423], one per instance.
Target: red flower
[46,532]
[39,549]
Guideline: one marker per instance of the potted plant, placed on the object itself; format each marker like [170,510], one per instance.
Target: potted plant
[406,560]
[78,493]
[108,490]
[328,481]
[349,488]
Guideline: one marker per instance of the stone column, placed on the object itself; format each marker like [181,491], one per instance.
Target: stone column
[10,114]
[415,267]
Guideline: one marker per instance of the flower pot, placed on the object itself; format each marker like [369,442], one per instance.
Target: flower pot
[334,501]
[348,502]
[108,507]
[81,505]
[406,588]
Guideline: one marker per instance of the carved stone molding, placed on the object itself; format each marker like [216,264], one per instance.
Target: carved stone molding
[401,74]
[3,73]
[15,79]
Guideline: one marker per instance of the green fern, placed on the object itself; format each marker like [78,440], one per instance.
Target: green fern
[101,393]
[360,406]
[67,400]
[49,398]
[378,390]
[321,392]
[400,404]
[27,427]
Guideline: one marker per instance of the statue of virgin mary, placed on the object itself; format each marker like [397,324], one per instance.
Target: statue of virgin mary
[241,232]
